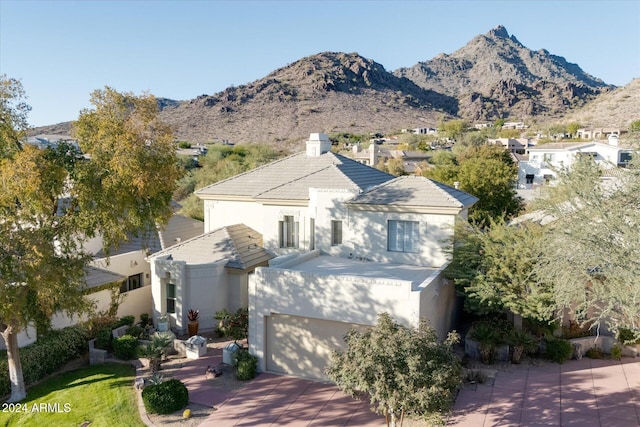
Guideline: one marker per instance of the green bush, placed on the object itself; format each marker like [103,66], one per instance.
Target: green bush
[616,352]
[125,347]
[166,397]
[557,349]
[124,321]
[184,144]
[46,355]
[627,336]
[246,365]
[594,353]
[104,339]
[136,331]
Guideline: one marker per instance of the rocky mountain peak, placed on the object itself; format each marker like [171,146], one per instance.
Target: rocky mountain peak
[498,31]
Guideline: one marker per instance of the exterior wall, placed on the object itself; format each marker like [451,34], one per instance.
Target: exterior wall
[199,287]
[438,304]
[238,293]
[219,213]
[128,264]
[132,303]
[348,299]
[369,237]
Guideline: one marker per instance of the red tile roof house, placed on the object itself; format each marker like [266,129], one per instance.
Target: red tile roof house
[314,244]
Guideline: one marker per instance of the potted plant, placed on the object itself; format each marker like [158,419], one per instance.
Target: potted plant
[163,323]
[193,323]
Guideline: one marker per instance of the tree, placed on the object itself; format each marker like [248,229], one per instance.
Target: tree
[453,129]
[634,126]
[592,246]
[52,201]
[487,172]
[572,128]
[404,371]
[494,268]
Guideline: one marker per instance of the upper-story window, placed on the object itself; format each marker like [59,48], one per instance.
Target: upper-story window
[336,233]
[403,236]
[288,232]
[549,157]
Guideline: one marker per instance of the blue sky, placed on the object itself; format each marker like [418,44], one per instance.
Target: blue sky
[63,50]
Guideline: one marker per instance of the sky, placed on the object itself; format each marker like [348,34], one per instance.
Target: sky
[61,51]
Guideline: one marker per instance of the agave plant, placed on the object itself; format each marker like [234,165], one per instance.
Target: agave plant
[522,343]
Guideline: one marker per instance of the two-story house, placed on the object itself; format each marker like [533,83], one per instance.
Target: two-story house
[314,244]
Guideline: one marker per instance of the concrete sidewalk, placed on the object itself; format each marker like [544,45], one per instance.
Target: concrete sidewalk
[586,392]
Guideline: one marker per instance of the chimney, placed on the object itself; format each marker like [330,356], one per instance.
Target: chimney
[373,154]
[318,144]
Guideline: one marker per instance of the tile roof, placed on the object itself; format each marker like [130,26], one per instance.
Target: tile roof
[239,244]
[178,229]
[95,277]
[415,191]
[290,178]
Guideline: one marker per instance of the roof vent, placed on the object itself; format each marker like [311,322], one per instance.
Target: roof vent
[318,144]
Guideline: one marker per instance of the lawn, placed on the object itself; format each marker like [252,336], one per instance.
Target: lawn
[103,395]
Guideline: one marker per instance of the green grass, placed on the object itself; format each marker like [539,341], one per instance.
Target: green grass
[101,394]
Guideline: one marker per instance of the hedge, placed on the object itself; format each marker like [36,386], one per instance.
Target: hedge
[46,355]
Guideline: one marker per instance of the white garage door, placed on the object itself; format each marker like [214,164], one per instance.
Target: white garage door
[301,346]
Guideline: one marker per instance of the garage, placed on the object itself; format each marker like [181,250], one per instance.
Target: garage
[301,346]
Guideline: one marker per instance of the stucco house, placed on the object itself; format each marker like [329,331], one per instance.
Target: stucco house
[540,165]
[316,243]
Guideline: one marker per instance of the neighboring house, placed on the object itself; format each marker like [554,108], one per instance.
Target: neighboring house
[597,133]
[349,242]
[514,145]
[127,270]
[540,166]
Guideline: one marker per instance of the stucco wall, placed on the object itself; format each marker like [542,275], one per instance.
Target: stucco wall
[128,264]
[207,291]
[132,303]
[346,299]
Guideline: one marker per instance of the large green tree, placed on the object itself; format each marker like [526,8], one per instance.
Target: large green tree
[494,268]
[488,172]
[404,371]
[592,246]
[52,201]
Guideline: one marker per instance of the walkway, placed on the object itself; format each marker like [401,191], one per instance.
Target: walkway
[586,392]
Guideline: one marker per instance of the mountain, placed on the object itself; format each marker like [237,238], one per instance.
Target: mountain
[495,76]
[329,92]
[617,108]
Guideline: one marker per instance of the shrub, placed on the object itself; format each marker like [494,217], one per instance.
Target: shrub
[104,339]
[46,355]
[616,352]
[165,398]
[557,349]
[246,365]
[184,144]
[136,331]
[594,353]
[144,320]
[627,336]
[488,337]
[125,347]
[124,321]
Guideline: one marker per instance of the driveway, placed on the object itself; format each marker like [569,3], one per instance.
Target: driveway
[583,393]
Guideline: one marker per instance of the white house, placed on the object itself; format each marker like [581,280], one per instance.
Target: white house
[539,167]
[318,243]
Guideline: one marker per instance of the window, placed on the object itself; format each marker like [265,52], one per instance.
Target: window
[171,298]
[288,232]
[529,178]
[403,236]
[549,157]
[312,234]
[336,233]
[133,282]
